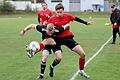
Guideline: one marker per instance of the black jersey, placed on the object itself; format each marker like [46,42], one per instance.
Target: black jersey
[45,32]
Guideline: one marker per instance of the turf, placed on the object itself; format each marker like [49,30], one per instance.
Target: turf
[15,65]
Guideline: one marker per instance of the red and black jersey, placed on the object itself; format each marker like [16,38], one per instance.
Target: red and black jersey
[44,15]
[60,21]
[115,18]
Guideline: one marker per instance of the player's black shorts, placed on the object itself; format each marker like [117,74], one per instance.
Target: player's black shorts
[53,48]
[67,41]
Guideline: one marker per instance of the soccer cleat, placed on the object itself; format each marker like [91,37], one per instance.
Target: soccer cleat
[82,73]
[51,71]
[112,42]
[40,77]
[30,52]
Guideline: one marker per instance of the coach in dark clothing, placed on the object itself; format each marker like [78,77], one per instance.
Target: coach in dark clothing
[115,20]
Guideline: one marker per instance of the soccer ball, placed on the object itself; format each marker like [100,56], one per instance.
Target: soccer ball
[34,46]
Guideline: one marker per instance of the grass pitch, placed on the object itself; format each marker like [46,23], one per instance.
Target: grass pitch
[15,65]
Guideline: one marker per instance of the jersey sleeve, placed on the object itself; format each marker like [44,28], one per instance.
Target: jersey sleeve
[59,29]
[40,29]
[118,16]
[71,17]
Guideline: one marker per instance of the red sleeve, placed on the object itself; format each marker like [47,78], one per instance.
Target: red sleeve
[71,17]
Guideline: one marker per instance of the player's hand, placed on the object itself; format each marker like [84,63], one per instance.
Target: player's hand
[22,32]
[66,26]
[89,22]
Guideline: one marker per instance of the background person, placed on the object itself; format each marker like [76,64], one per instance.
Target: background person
[115,21]
[44,14]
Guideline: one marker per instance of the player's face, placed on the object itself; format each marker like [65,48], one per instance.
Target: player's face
[50,31]
[59,12]
[44,6]
[113,9]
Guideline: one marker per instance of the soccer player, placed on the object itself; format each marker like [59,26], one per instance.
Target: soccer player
[44,15]
[115,20]
[50,32]
[66,37]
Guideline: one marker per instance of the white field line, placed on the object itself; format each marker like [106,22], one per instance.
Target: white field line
[90,59]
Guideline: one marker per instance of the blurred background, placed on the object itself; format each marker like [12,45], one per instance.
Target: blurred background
[11,6]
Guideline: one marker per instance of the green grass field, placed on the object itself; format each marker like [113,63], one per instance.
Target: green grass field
[15,65]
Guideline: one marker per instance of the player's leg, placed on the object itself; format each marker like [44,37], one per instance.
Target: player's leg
[45,55]
[73,45]
[119,33]
[78,49]
[56,61]
[114,35]
[47,41]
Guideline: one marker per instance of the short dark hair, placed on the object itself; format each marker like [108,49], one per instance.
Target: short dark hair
[44,3]
[59,6]
[113,6]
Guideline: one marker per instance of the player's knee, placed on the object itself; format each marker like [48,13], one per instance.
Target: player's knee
[82,56]
[58,55]
[45,55]
[59,58]
[78,49]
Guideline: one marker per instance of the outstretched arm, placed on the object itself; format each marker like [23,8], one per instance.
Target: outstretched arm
[23,31]
[82,21]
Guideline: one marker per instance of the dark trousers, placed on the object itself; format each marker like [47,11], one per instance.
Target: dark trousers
[115,31]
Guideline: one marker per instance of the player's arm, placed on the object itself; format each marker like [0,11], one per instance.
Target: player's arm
[31,26]
[39,21]
[62,28]
[82,21]
[111,19]
[118,17]
[23,31]
[39,18]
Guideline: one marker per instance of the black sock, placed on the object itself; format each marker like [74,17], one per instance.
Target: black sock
[55,62]
[43,66]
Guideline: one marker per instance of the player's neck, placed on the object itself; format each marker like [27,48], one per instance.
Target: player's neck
[44,9]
